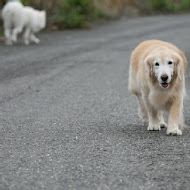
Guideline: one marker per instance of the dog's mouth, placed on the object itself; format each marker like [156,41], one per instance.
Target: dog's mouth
[164,85]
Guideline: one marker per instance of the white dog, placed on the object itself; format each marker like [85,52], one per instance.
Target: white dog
[17,18]
[157,79]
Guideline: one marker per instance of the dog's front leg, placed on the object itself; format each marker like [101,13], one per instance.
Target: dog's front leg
[161,118]
[34,39]
[154,122]
[175,118]
[27,36]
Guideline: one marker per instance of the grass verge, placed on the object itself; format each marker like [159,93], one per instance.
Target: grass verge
[78,14]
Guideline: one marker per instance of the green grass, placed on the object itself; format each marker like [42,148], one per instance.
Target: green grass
[25,2]
[170,6]
[74,13]
[77,14]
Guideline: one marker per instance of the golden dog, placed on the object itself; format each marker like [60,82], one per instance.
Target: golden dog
[156,78]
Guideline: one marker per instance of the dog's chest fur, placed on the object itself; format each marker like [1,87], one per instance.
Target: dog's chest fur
[161,100]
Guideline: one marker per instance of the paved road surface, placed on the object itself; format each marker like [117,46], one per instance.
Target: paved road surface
[67,120]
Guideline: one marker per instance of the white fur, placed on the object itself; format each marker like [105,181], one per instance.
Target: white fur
[17,18]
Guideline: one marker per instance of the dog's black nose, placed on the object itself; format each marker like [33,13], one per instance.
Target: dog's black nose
[164,77]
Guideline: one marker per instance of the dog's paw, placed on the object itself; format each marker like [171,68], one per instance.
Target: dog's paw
[37,41]
[174,132]
[26,43]
[163,125]
[14,39]
[154,128]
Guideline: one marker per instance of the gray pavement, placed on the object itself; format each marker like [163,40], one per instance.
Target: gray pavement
[67,120]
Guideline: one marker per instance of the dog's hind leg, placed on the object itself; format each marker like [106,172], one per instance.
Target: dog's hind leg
[16,31]
[7,32]
[8,36]
[142,111]
[181,124]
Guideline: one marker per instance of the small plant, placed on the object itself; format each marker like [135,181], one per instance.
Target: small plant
[75,14]
[170,5]
[24,2]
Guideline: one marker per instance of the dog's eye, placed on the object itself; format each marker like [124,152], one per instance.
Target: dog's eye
[157,64]
[170,62]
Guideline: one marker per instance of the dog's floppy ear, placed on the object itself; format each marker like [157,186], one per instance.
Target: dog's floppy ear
[148,62]
[183,58]
[178,66]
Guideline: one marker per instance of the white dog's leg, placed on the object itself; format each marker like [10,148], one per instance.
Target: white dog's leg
[161,118]
[34,39]
[16,31]
[27,36]
[7,27]
[175,118]
[8,36]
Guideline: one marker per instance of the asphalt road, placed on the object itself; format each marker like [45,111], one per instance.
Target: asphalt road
[67,120]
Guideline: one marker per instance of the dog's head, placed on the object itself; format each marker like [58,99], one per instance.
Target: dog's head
[41,20]
[164,67]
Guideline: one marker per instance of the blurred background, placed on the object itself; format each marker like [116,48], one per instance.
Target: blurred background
[67,120]
[82,13]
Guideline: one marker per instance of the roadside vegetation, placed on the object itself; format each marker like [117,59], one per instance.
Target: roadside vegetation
[77,14]
[169,6]
[81,13]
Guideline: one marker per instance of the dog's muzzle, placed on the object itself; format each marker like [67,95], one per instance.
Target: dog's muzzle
[164,83]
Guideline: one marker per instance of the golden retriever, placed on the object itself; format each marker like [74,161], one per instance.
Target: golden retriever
[156,78]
